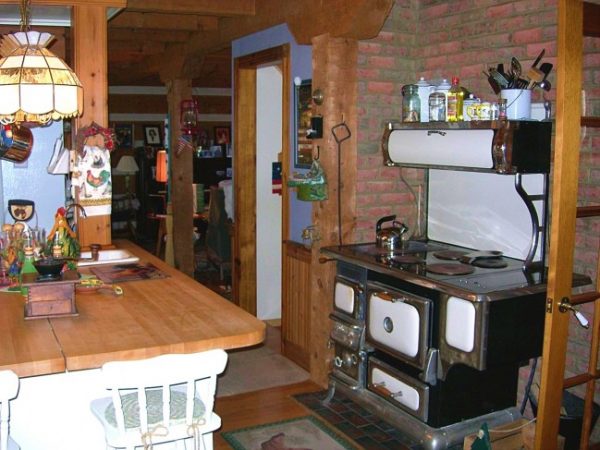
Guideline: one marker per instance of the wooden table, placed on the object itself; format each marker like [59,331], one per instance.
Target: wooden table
[153,317]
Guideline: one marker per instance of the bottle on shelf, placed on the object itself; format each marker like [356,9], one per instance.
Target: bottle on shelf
[454,111]
[411,103]
[437,107]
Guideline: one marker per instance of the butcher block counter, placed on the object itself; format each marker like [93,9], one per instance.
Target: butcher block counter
[169,315]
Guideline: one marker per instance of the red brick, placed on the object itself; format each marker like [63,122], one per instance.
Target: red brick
[381,87]
[382,62]
[504,10]
[527,36]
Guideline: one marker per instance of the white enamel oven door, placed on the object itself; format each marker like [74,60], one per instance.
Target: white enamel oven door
[399,323]
[463,332]
[347,298]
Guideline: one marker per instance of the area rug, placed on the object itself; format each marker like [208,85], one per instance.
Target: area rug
[302,433]
[257,369]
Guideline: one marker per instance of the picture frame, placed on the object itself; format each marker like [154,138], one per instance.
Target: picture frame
[222,135]
[152,136]
[124,135]
[303,148]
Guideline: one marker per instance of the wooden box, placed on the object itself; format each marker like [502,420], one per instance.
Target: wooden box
[516,435]
[50,298]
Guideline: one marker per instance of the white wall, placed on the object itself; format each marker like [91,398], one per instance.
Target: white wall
[31,181]
[269,83]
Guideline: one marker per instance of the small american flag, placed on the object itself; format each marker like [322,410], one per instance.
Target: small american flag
[184,143]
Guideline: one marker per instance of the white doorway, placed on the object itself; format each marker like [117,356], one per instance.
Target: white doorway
[269,138]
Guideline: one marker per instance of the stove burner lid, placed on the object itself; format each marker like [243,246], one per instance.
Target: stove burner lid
[490,263]
[452,255]
[450,269]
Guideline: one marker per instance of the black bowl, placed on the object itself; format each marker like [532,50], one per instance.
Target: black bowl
[49,267]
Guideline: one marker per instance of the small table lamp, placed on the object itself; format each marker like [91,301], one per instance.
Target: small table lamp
[127,166]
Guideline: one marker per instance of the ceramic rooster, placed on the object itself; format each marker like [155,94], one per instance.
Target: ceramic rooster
[62,233]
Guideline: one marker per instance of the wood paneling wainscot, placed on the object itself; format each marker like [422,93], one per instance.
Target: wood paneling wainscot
[295,308]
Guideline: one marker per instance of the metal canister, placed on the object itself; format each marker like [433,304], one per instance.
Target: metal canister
[411,103]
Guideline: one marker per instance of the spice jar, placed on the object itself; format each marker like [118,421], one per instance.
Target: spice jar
[411,103]
[437,107]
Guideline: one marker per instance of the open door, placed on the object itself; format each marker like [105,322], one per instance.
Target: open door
[244,277]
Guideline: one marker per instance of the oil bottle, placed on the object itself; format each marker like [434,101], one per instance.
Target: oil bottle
[454,112]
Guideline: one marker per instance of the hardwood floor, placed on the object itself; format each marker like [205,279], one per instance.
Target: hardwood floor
[260,407]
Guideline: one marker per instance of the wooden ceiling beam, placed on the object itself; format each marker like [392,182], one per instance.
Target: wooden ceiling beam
[152,21]
[220,8]
[106,3]
[135,35]
[362,20]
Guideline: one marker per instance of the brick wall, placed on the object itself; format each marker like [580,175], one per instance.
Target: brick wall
[440,39]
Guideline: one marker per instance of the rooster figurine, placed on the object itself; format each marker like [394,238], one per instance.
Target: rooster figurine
[99,181]
[62,234]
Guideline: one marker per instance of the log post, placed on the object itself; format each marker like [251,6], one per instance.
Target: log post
[334,72]
[91,65]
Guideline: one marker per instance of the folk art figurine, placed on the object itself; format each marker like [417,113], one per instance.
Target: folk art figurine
[62,241]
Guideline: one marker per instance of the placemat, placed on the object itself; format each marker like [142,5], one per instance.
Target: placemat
[119,273]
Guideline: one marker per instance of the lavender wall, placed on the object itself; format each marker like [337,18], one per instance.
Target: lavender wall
[301,66]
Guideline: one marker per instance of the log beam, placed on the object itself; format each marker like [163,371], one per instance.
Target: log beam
[201,7]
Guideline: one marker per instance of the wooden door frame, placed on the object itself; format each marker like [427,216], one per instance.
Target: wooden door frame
[244,167]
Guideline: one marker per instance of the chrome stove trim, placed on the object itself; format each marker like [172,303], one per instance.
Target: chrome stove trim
[430,438]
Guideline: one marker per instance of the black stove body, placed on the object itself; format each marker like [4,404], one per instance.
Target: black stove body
[431,334]
[443,348]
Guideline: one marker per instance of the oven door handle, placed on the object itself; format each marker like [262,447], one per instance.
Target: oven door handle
[380,387]
[386,296]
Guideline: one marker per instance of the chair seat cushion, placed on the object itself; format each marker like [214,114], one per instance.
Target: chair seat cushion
[154,407]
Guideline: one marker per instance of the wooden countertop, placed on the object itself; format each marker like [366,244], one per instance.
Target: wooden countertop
[171,315]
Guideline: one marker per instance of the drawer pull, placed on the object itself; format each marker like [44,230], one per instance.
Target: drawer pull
[396,394]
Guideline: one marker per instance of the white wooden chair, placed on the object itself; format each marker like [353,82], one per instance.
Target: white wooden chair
[9,386]
[163,399]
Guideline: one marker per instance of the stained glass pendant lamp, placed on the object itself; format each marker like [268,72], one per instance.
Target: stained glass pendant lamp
[35,85]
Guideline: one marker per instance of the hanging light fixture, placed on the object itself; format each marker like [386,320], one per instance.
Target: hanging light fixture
[35,85]
[189,117]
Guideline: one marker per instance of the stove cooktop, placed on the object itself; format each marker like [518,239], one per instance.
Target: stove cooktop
[444,267]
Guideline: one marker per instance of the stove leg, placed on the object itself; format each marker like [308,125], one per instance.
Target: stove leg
[330,393]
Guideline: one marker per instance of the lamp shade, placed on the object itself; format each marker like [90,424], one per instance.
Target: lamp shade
[126,165]
[35,84]
[162,173]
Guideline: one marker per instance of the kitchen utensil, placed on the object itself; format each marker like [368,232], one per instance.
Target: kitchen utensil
[545,85]
[539,58]
[390,238]
[516,69]
[499,78]
[546,68]
[494,85]
[535,76]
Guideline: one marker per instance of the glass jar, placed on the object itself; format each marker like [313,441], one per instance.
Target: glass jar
[437,107]
[411,103]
